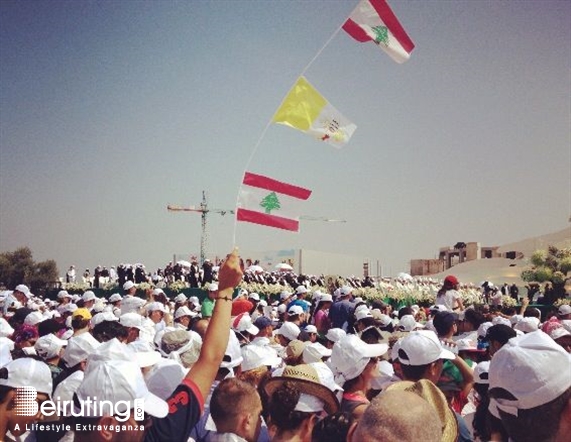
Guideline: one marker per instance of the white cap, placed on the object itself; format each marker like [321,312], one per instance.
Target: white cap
[233,352]
[156,306]
[483,329]
[157,291]
[501,320]
[49,346]
[407,323]
[164,377]
[102,317]
[564,309]
[532,368]
[212,287]
[131,304]
[315,352]
[345,290]
[34,318]
[79,348]
[295,310]
[118,382]
[243,323]
[128,285]
[325,297]
[28,372]
[289,330]
[23,289]
[131,320]
[254,296]
[362,314]
[257,356]
[310,329]
[285,294]
[88,296]
[115,297]
[351,355]
[282,308]
[63,294]
[5,328]
[335,334]
[180,298]
[300,290]
[481,373]
[184,311]
[527,325]
[422,347]
[194,300]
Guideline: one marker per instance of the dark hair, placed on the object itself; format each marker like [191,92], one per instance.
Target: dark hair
[332,428]
[49,326]
[413,372]
[79,322]
[281,407]
[405,311]
[107,330]
[474,317]
[481,422]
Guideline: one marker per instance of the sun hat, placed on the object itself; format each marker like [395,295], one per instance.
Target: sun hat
[314,396]
[533,369]
[22,288]
[350,355]
[88,296]
[481,373]
[183,346]
[422,347]
[62,294]
[128,285]
[69,308]
[184,311]
[28,372]
[194,300]
[315,352]
[121,383]
[255,356]
[180,298]
[115,297]
[289,330]
[407,324]
[335,334]
[49,346]
[82,313]
[528,324]
[157,291]
[79,348]
[564,309]
[102,317]
[243,323]
[132,320]
[432,394]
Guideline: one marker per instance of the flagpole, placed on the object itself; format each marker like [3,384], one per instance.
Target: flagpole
[263,134]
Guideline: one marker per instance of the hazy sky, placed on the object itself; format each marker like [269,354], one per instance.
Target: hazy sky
[110,110]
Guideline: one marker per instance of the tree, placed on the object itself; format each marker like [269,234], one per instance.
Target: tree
[552,265]
[270,202]
[19,267]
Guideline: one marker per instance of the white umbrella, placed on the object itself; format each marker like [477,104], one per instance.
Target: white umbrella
[404,276]
[255,269]
[282,266]
[183,263]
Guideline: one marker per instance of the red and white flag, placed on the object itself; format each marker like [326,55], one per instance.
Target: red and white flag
[269,202]
[373,20]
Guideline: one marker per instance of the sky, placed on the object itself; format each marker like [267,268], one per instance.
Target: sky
[111,110]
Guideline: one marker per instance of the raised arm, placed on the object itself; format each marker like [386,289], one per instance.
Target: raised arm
[203,372]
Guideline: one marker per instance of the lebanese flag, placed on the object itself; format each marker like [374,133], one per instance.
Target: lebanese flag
[269,202]
[373,20]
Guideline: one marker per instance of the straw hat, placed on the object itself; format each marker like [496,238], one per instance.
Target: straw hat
[306,380]
[430,392]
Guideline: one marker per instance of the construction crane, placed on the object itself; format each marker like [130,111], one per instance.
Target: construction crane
[203,209]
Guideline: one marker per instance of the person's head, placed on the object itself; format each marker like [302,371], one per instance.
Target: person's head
[334,427]
[450,283]
[22,293]
[50,348]
[88,299]
[564,311]
[107,330]
[421,356]
[497,336]
[129,288]
[445,323]
[80,319]
[25,336]
[23,372]
[181,345]
[264,325]
[183,316]
[530,388]
[133,322]
[398,416]
[296,400]
[236,408]
[471,321]
[287,333]
[156,311]
[78,349]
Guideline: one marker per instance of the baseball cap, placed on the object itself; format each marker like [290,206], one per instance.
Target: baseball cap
[156,306]
[34,318]
[362,314]
[528,324]
[88,296]
[345,290]
[451,279]
[81,313]
[212,287]
[254,296]
[422,347]
[325,297]
[295,310]
[564,309]
[282,308]
[483,329]
[262,322]
[335,334]
[257,356]
[128,285]
[501,320]
[289,330]
[5,328]
[63,294]
[351,355]
[310,329]
[130,320]
[532,368]
[194,300]
[115,297]
[284,295]
[315,352]
[121,383]
[240,306]
[184,311]
[28,372]
[243,323]
[49,346]
[407,323]
[23,289]
[481,373]
[79,348]
[102,317]
[180,298]
[300,290]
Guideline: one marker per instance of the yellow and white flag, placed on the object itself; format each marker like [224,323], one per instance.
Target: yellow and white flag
[305,109]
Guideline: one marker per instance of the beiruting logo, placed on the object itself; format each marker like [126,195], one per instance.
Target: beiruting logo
[27,405]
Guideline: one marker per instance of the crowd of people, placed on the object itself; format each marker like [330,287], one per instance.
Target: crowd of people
[306,365]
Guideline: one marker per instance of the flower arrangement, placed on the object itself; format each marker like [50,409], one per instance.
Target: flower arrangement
[76,287]
[177,286]
[508,301]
